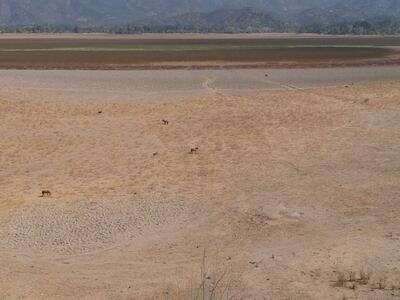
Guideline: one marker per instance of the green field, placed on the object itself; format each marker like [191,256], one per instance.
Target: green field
[106,53]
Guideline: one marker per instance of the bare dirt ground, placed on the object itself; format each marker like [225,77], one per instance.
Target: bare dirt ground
[132,84]
[291,194]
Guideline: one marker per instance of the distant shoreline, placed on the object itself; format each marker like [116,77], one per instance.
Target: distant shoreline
[187,35]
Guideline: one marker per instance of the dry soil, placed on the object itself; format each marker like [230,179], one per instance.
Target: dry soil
[292,193]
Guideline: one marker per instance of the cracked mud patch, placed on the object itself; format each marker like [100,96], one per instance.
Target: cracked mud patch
[81,227]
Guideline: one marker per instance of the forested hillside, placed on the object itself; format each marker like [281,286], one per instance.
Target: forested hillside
[129,16]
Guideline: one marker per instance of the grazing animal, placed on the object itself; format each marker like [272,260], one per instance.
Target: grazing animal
[165,122]
[100,112]
[266,75]
[194,150]
[46,193]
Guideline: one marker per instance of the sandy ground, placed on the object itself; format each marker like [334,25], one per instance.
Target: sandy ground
[292,193]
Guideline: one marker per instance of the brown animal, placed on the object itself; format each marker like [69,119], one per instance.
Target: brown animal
[194,150]
[165,122]
[46,193]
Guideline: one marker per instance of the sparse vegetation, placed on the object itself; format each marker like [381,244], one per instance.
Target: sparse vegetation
[353,278]
[381,284]
[215,282]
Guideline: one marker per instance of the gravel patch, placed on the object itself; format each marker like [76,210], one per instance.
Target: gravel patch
[81,227]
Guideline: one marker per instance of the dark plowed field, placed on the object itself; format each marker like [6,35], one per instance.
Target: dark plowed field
[126,53]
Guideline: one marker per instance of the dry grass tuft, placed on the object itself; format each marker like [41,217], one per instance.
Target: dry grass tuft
[216,282]
[352,278]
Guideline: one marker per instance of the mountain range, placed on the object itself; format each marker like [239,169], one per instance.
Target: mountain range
[266,15]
